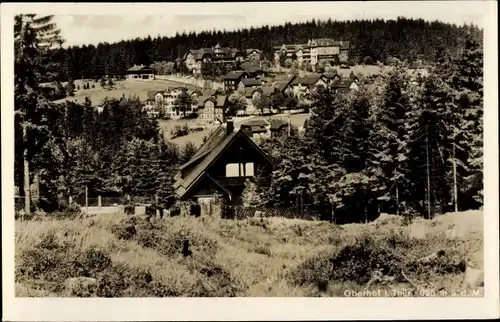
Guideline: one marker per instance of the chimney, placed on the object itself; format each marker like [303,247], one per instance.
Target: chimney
[229,127]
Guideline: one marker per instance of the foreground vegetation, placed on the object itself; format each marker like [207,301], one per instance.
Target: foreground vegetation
[117,256]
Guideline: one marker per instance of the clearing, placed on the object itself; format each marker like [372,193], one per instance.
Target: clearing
[129,257]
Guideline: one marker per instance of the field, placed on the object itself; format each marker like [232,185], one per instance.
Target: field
[127,88]
[109,255]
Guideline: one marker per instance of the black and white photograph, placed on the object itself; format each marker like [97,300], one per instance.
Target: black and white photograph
[252,150]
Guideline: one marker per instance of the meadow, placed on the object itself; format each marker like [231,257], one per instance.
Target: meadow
[111,255]
[126,88]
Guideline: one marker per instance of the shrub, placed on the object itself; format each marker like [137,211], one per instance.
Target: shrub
[367,255]
[263,250]
[179,131]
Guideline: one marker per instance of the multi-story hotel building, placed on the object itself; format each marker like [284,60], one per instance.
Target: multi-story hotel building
[314,51]
[194,58]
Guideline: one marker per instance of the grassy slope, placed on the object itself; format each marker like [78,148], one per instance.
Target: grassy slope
[128,88]
[238,258]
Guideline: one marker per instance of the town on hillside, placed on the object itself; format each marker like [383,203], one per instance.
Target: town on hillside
[322,158]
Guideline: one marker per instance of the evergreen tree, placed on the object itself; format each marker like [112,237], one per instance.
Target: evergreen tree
[70,88]
[34,36]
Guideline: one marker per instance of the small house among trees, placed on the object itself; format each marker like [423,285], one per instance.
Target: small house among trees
[221,166]
[140,72]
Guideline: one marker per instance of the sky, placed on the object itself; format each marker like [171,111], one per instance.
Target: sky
[111,23]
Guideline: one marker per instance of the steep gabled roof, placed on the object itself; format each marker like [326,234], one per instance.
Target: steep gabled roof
[202,99]
[234,75]
[250,91]
[248,82]
[267,90]
[221,100]
[208,153]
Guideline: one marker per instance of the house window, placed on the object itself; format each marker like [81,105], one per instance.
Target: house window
[234,170]
[249,169]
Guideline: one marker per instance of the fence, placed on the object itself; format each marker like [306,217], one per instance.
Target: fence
[241,212]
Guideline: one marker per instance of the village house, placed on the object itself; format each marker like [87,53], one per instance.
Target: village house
[331,77]
[266,128]
[343,86]
[221,166]
[251,70]
[140,72]
[284,85]
[248,82]
[315,51]
[305,85]
[212,109]
[227,56]
[232,80]
[165,102]
[254,55]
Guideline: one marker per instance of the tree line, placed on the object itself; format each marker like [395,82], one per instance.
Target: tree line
[371,41]
[406,142]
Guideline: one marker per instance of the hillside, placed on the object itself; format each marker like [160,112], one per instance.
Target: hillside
[406,39]
[124,88]
[253,257]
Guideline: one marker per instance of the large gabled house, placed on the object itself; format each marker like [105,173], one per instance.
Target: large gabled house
[233,78]
[221,167]
[212,109]
[194,58]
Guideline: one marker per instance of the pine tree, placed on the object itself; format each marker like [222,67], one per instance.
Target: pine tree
[70,88]
[33,37]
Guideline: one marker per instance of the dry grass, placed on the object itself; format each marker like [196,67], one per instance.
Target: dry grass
[272,257]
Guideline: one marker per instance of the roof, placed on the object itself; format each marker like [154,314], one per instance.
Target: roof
[151,94]
[234,75]
[137,68]
[341,83]
[249,67]
[277,124]
[331,42]
[254,128]
[206,155]
[343,90]
[306,80]
[202,99]
[221,100]
[248,82]
[267,90]
[251,50]
[259,122]
[227,52]
[250,91]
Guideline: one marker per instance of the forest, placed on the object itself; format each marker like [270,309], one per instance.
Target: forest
[370,40]
[409,142]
